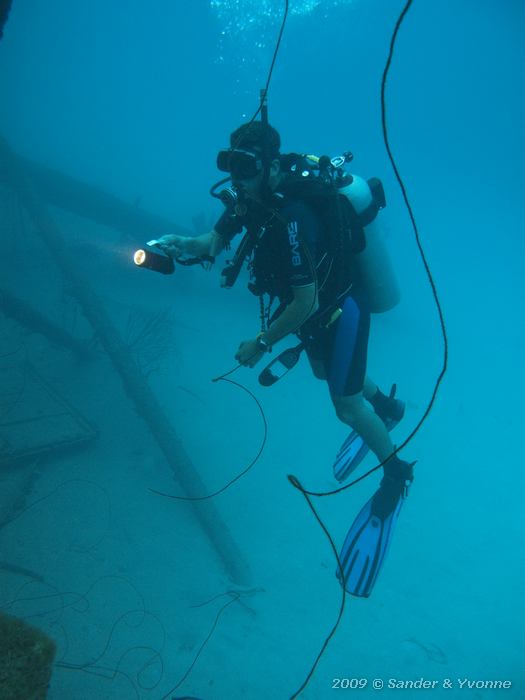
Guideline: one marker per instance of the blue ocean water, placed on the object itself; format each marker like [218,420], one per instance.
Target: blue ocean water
[135,101]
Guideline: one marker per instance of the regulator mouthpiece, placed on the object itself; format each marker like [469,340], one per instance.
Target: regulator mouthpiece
[228,196]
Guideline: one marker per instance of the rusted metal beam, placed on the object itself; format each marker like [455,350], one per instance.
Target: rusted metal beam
[133,380]
[22,312]
[96,204]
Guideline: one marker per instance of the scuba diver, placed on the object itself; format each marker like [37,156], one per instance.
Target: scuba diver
[302,239]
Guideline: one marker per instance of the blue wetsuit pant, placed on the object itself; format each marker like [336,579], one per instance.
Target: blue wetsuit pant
[342,348]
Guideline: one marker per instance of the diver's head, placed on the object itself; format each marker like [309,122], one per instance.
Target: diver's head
[253,159]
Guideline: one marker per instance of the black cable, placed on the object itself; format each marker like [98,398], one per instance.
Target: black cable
[244,471]
[425,264]
[226,374]
[270,72]
[277,46]
[234,597]
[223,378]
[414,225]
[295,482]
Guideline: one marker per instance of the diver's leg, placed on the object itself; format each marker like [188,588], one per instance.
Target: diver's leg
[388,408]
[355,412]
[317,346]
[318,367]
[370,388]
[347,380]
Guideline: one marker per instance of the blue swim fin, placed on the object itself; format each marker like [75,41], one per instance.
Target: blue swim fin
[367,542]
[353,450]
[350,455]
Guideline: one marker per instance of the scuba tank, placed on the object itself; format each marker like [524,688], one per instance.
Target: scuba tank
[374,263]
[366,199]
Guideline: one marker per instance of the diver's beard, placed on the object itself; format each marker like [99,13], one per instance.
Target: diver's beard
[263,195]
[266,195]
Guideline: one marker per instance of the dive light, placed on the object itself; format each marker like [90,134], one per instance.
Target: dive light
[153,259]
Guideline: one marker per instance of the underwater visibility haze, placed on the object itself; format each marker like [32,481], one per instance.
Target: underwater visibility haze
[170,525]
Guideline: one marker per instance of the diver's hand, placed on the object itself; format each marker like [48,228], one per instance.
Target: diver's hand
[249,353]
[173,245]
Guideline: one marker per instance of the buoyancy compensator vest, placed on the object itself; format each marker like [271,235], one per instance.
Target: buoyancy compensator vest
[348,206]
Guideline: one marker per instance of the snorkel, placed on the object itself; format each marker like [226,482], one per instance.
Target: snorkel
[266,192]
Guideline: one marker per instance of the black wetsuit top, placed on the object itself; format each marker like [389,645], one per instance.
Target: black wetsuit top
[290,251]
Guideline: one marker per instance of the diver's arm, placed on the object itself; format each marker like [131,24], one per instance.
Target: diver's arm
[207,244]
[302,306]
[217,243]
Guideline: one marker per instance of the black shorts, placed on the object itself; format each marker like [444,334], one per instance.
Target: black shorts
[342,348]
